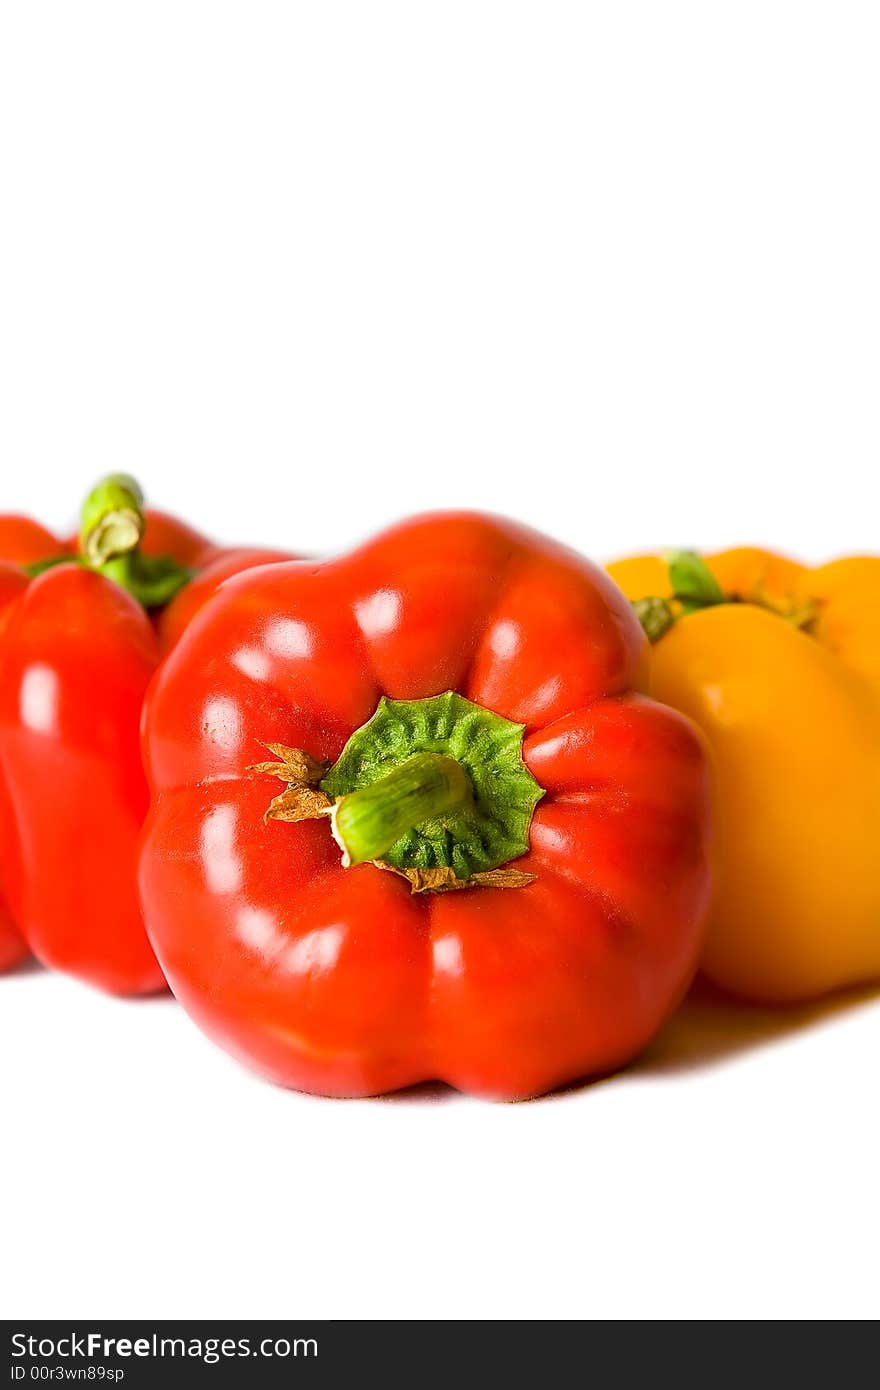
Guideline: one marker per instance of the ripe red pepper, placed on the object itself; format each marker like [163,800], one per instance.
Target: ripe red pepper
[81,639]
[454,702]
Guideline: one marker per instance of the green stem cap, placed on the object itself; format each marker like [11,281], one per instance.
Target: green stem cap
[433,784]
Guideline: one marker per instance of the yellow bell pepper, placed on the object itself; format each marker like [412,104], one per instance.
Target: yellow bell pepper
[779,665]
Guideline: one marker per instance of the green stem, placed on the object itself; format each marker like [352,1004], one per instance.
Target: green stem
[112,526]
[693,583]
[368,822]
[112,520]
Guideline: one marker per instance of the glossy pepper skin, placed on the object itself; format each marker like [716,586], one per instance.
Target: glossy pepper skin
[77,653]
[344,982]
[784,680]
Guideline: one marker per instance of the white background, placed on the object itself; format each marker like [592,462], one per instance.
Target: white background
[611,268]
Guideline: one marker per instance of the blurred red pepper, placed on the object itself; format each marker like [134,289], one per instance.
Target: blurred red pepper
[84,625]
[455,701]
[12,945]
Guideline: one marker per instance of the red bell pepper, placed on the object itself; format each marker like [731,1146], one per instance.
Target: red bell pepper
[453,705]
[82,637]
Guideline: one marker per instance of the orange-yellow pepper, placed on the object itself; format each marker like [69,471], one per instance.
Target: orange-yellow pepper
[779,665]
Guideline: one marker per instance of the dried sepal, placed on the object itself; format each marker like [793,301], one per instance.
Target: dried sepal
[501,878]
[298,803]
[445,880]
[294,766]
[302,799]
